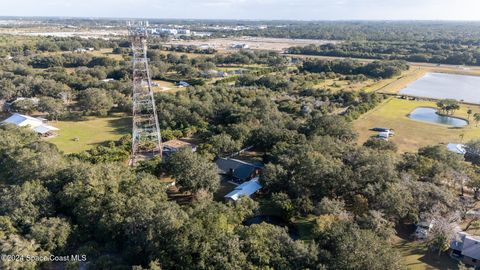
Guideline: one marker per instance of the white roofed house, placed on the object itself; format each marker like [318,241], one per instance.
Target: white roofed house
[457,148]
[38,125]
[247,189]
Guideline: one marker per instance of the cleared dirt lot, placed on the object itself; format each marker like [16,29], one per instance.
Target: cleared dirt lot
[254,43]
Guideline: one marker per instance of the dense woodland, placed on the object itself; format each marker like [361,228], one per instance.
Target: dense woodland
[465,33]
[455,43]
[120,217]
[425,52]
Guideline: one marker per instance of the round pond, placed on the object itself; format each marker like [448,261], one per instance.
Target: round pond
[430,115]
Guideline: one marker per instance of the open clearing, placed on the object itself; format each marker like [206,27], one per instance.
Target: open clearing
[415,256]
[107,52]
[90,132]
[160,86]
[409,134]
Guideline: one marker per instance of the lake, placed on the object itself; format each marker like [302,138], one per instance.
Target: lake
[441,86]
[430,115]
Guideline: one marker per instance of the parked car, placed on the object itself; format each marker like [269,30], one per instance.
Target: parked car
[379,129]
[422,230]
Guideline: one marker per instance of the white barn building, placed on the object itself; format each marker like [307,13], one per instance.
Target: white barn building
[36,124]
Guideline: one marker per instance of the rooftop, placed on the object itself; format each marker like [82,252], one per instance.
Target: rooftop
[177,144]
[240,169]
[246,189]
[36,124]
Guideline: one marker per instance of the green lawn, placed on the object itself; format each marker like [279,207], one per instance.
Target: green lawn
[415,256]
[90,132]
[409,134]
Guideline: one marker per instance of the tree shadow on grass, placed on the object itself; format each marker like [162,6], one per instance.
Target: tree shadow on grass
[121,125]
[426,259]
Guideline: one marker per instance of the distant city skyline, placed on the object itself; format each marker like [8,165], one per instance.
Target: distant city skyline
[250,9]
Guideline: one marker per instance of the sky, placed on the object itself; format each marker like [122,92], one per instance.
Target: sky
[249,9]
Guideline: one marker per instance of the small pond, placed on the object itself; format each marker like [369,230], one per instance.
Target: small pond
[430,115]
[274,220]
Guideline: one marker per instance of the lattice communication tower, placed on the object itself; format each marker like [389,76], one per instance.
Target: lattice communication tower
[146,138]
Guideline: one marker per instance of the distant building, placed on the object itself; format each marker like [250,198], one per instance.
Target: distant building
[183,32]
[240,46]
[34,100]
[175,145]
[237,170]
[108,80]
[205,47]
[247,189]
[80,50]
[457,148]
[222,74]
[423,229]
[466,248]
[239,71]
[36,124]
[183,84]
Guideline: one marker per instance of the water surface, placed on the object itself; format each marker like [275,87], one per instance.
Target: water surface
[430,115]
[442,86]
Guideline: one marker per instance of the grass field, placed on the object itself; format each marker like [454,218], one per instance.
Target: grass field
[90,132]
[411,135]
[165,87]
[415,256]
[107,52]
[392,85]
[104,52]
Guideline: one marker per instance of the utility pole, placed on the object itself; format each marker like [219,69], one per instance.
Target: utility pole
[146,138]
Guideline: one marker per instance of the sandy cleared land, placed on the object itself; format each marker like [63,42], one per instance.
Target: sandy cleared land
[254,43]
[64,32]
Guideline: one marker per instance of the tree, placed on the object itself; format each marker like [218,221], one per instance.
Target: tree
[331,125]
[330,207]
[350,248]
[476,117]
[283,204]
[193,172]
[54,107]
[7,89]
[16,245]
[269,246]
[224,144]
[51,233]
[441,233]
[469,113]
[25,204]
[381,144]
[26,106]
[95,101]
[474,181]
[473,151]
[449,106]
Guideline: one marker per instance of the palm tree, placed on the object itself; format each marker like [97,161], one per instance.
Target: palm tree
[469,112]
[476,116]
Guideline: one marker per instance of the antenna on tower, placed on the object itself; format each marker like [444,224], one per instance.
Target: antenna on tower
[146,138]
